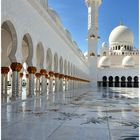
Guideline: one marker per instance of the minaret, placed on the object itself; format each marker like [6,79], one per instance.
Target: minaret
[93,6]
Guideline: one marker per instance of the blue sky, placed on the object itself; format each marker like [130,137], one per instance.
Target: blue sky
[73,14]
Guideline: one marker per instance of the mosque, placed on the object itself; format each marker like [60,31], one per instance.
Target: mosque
[34,46]
[118,63]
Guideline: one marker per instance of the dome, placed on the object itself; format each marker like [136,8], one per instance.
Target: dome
[55,16]
[128,61]
[121,34]
[68,34]
[104,45]
[104,61]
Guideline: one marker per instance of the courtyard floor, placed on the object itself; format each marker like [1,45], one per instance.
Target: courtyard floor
[82,114]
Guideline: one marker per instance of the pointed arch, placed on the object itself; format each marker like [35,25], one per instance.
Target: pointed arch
[9,43]
[65,66]
[55,62]
[40,55]
[27,49]
[61,65]
[49,59]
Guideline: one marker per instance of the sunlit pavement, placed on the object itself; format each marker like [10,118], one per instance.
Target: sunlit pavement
[82,114]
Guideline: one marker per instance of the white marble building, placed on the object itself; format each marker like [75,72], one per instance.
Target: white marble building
[117,64]
[35,44]
[36,47]
[120,59]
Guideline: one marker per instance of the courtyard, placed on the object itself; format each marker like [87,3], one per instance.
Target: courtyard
[81,114]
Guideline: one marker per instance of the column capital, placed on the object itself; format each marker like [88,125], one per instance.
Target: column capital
[56,75]
[51,73]
[46,76]
[4,70]
[15,66]
[21,75]
[31,69]
[61,76]
[38,75]
[27,75]
[43,72]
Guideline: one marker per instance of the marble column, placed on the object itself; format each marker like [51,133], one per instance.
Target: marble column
[43,82]
[16,67]
[61,82]
[56,82]
[38,75]
[4,73]
[27,84]
[51,74]
[47,78]
[66,82]
[32,71]
[20,84]
[70,83]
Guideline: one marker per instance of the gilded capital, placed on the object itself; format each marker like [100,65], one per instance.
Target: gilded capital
[15,66]
[43,72]
[4,70]
[31,70]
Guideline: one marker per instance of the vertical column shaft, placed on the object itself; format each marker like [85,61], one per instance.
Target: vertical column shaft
[16,67]
[32,71]
[4,73]
[43,82]
[20,84]
[38,75]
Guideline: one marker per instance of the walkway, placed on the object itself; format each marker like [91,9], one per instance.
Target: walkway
[94,114]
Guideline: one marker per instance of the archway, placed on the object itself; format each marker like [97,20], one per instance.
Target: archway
[68,68]
[65,66]
[56,62]
[123,83]
[8,50]
[27,49]
[104,79]
[27,55]
[110,84]
[61,65]
[8,43]
[49,59]
[129,81]
[40,55]
[117,81]
[136,81]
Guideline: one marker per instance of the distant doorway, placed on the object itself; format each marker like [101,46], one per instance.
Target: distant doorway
[136,81]
[110,84]
[117,81]
[129,81]
[123,83]
[104,81]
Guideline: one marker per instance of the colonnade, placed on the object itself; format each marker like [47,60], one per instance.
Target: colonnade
[131,82]
[45,80]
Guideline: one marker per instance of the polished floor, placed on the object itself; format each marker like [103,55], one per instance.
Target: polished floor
[82,114]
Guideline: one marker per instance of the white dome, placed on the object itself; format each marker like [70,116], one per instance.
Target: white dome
[128,61]
[104,61]
[55,16]
[104,45]
[121,34]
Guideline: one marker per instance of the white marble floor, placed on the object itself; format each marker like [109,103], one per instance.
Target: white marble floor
[85,114]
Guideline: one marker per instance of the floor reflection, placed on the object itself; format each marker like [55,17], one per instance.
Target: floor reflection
[82,114]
